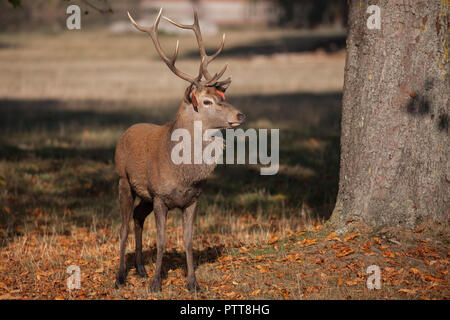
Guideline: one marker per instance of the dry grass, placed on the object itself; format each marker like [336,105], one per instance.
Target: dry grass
[66,98]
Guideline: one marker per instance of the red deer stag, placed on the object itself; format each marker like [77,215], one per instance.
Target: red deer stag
[143,159]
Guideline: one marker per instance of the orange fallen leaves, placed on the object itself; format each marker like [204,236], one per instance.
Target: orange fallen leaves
[407,291]
[349,221]
[262,269]
[307,242]
[272,240]
[4,286]
[429,277]
[345,252]
[255,292]
[243,250]
[350,237]
[311,289]
[415,271]
[351,283]
[332,236]
[317,227]
[233,295]
[295,257]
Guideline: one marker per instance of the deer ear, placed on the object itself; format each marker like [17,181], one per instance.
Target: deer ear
[187,94]
[193,99]
[223,85]
[189,97]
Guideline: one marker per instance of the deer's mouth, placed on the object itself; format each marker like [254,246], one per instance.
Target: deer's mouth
[234,124]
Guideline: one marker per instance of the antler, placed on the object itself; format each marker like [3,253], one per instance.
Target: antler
[210,80]
[153,32]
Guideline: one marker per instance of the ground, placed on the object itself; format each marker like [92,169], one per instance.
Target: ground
[66,98]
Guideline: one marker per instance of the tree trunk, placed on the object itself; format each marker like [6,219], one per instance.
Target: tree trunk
[394,141]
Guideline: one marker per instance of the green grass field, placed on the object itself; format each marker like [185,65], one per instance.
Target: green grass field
[66,98]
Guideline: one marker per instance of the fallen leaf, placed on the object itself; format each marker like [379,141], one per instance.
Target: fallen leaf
[350,237]
[418,230]
[255,292]
[332,236]
[407,291]
[4,286]
[345,253]
[272,240]
[388,254]
[349,221]
[351,282]
[415,271]
[308,242]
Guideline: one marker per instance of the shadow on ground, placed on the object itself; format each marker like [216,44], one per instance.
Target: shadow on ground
[45,165]
[174,259]
[286,44]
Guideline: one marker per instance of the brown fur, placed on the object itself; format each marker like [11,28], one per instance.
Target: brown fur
[145,169]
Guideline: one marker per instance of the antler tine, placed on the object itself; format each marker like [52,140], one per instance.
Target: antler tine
[205,58]
[200,71]
[217,76]
[153,32]
[175,55]
[212,57]
[141,28]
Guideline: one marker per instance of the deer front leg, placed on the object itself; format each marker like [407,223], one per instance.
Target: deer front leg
[126,198]
[188,221]
[140,213]
[160,210]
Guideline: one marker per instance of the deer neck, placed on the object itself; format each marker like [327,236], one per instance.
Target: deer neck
[190,173]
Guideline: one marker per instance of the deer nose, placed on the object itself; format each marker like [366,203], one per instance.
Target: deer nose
[240,117]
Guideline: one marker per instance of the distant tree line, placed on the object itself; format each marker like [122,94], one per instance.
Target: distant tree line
[50,14]
[313,13]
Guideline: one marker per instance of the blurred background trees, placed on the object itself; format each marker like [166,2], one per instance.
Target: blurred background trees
[17,15]
[311,14]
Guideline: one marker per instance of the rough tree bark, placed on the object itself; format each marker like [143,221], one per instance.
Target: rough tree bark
[394,141]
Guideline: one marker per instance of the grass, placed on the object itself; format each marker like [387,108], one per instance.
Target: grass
[66,98]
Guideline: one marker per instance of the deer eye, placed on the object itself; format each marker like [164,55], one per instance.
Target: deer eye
[207,102]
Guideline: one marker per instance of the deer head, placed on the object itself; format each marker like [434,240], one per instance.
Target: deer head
[204,98]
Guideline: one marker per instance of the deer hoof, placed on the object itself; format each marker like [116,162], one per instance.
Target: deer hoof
[193,286]
[155,286]
[140,271]
[120,280]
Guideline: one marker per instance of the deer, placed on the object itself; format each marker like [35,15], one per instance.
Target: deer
[143,159]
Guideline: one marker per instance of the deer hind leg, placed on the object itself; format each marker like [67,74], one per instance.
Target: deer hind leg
[160,218]
[140,213]
[126,198]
